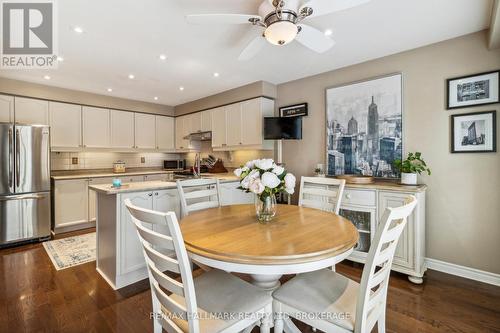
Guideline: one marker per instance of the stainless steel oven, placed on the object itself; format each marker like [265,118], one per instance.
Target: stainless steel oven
[174,164]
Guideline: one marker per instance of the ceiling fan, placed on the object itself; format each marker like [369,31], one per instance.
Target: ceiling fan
[282,21]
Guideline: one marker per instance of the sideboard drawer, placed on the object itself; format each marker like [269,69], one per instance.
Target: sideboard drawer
[359,197]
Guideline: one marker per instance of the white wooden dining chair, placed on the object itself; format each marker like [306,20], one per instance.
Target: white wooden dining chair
[321,193]
[216,301]
[198,194]
[331,302]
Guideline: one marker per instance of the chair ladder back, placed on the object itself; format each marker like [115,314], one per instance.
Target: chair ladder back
[321,193]
[375,279]
[157,263]
[204,192]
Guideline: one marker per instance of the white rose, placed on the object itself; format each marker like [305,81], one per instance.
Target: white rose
[250,164]
[270,180]
[290,190]
[245,183]
[245,169]
[264,164]
[256,186]
[290,181]
[238,172]
[278,170]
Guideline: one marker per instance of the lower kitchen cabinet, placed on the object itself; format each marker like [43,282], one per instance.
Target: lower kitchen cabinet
[231,195]
[70,204]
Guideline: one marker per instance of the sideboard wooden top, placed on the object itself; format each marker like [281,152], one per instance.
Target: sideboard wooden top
[389,185]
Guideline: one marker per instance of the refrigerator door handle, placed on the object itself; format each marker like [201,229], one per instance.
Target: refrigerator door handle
[23,197]
[11,161]
[18,157]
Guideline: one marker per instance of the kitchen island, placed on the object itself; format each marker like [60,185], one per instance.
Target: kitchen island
[119,254]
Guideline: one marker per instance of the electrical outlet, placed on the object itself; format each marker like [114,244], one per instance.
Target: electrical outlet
[74,160]
[143,160]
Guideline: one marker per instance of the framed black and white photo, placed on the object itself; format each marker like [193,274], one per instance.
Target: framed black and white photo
[364,123]
[473,132]
[472,90]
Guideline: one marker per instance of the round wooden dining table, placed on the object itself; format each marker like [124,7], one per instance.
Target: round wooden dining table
[297,240]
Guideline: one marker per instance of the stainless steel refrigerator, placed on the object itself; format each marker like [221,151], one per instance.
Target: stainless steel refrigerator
[24,183]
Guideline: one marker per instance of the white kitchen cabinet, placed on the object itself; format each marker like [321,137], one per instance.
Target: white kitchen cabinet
[122,129]
[6,109]
[145,131]
[234,124]
[195,122]
[231,195]
[219,127]
[70,204]
[96,127]
[31,111]
[182,129]
[252,116]
[156,177]
[206,121]
[65,125]
[165,133]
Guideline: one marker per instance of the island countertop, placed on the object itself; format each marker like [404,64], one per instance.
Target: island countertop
[155,185]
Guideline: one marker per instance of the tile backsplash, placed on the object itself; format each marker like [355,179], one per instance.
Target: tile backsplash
[104,160]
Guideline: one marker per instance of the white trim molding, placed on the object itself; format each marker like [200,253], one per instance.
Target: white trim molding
[463,271]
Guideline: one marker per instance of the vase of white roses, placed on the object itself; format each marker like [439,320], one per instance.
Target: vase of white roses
[265,179]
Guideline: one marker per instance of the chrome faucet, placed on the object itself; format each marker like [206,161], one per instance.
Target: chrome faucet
[197,166]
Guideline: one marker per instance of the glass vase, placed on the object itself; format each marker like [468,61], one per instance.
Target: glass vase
[265,208]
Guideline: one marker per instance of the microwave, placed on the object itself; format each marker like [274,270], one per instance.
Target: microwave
[174,164]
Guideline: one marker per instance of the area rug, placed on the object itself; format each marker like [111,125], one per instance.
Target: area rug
[71,251]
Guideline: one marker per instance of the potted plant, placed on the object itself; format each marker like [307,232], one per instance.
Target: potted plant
[265,179]
[410,167]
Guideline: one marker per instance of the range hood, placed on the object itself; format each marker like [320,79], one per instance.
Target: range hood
[199,136]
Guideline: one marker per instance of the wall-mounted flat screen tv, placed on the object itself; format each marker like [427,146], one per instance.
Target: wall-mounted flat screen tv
[286,128]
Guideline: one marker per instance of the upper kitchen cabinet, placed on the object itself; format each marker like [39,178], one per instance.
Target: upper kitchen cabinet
[252,115]
[234,124]
[31,111]
[65,125]
[195,120]
[182,129]
[145,131]
[206,121]
[165,133]
[6,109]
[219,127]
[96,127]
[122,129]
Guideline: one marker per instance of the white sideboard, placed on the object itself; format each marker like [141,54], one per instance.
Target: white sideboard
[364,205]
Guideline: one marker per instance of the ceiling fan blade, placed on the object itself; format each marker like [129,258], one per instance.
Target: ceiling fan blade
[323,7]
[314,39]
[252,48]
[221,18]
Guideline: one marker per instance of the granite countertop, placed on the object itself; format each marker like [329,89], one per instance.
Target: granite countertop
[100,173]
[155,185]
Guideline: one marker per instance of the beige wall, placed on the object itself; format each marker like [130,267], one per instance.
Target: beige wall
[22,88]
[256,89]
[463,202]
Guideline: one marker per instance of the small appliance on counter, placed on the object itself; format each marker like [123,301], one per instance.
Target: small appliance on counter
[174,164]
[119,167]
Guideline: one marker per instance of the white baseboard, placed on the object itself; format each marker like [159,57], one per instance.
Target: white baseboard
[463,271]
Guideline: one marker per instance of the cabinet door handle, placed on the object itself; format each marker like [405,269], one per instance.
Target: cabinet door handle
[348,196]
[156,193]
[150,194]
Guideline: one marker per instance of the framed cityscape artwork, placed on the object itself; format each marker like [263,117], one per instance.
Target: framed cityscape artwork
[473,90]
[473,132]
[364,123]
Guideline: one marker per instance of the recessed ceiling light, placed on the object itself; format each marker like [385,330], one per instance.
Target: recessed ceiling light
[110,89]
[216,74]
[46,77]
[78,30]
[131,76]
[155,98]
[181,88]
[60,59]
[163,57]
[328,32]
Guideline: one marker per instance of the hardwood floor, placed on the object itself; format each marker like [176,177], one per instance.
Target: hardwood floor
[34,297]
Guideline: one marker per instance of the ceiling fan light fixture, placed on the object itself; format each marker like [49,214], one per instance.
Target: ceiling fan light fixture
[281,32]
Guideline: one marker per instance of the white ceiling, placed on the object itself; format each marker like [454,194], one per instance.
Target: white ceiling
[123,37]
